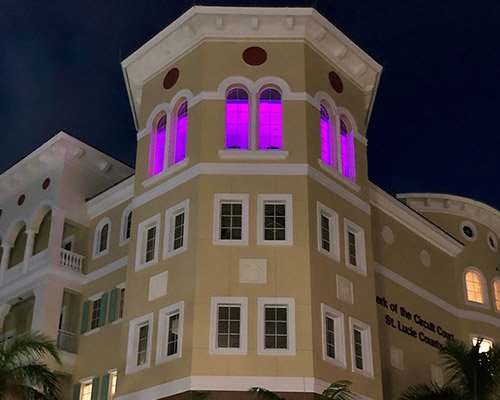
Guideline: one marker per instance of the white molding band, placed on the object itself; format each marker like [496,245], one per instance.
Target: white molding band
[111,197]
[101,272]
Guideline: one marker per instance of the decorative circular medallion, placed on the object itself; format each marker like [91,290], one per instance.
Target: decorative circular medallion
[171,78]
[492,241]
[335,82]
[254,56]
[21,199]
[468,230]
[387,235]
[46,184]
[425,257]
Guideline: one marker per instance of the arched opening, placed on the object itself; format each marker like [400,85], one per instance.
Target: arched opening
[347,155]
[178,134]
[270,120]
[327,137]
[42,236]
[17,251]
[237,119]
[474,286]
[157,145]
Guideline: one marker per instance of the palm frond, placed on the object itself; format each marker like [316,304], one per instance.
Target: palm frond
[199,395]
[338,390]
[31,345]
[264,394]
[431,392]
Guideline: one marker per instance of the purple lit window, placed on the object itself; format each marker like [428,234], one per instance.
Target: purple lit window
[347,152]
[270,120]
[157,147]
[179,136]
[237,118]
[326,137]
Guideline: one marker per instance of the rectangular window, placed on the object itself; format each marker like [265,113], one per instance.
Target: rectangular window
[139,343]
[169,344]
[176,229]
[275,219]
[121,302]
[142,344]
[112,385]
[95,314]
[355,246]
[150,244]
[361,348]
[328,226]
[485,345]
[86,390]
[333,335]
[147,242]
[276,326]
[230,219]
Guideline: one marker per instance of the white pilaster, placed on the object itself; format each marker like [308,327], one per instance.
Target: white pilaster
[56,236]
[5,260]
[4,310]
[47,308]
[28,250]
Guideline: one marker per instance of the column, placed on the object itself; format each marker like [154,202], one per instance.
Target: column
[28,251]
[4,263]
[4,310]
[55,237]
[47,308]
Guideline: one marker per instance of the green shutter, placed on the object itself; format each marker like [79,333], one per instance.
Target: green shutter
[103,309]
[112,305]
[104,387]
[76,391]
[95,388]
[85,317]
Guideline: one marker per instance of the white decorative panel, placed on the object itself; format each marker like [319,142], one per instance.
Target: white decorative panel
[253,270]
[387,235]
[345,290]
[397,360]
[425,257]
[158,286]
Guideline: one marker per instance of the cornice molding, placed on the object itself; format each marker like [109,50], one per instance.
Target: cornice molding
[110,198]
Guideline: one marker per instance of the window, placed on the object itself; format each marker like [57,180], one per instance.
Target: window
[126,225]
[112,385]
[157,146]
[147,242]
[276,326]
[237,119]
[361,347]
[270,120]
[230,219]
[275,219]
[176,229]
[101,237]
[86,390]
[496,293]
[485,345]
[178,137]
[139,343]
[354,246]
[333,335]
[474,286]
[468,230]
[328,153]
[347,150]
[169,344]
[328,235]
[94,312]
[228,328]
[121,303]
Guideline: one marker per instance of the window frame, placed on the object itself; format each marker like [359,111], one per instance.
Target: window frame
[262,200]
[339,327]
[367,348]
[333,221]
[249,103]
[133,343]
[168,237]
[97,238]
[113,373]
[258,119]
[486,302]
[124,225]
[220,198]
[242,302]
[359,234]
[164,316]
[289,303]
[86,382]
[141,242]
[496,293]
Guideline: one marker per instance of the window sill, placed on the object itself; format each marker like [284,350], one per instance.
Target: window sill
[276,352]
[173,253]
[98,255]
[92,331]
[332,171]
[484,305]
[164,359]
[169,171]
[368,374]
[228,352]
[360,269]
[334,361]
[332,255]
[219,242]
[117,321]
[139,267]
[124,242]
[253,154]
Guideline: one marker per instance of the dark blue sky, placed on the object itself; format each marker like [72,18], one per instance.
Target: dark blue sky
[435,124]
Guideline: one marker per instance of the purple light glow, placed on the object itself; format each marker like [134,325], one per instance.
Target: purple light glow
[237,118]
[179,137]
[157,147]
[347,152]
[270,120]
[326,138]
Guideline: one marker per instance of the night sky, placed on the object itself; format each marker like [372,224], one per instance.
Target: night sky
[434,127]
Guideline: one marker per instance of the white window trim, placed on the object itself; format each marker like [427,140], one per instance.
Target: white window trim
[169,229]
[86,381]
[220,198]
[132,346]
[69,239]
[162,336]
[474,231]
[366,338]
[289,302]
[275,198]
[334,172]
[243,303]
[486,303]
[338,317]
[495,279]
[475,336]
[112,371]
[333,219]
[142,229]
[92,299]
[120,286]
[123,225]
[97,234]
[360,246]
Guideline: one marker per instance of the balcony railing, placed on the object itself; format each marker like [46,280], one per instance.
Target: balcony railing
[66,341]
[71,260]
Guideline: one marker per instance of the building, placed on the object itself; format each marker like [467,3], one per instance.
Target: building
[248,247]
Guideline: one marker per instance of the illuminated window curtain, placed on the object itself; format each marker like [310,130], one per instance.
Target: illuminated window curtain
[496,291]
[179,136]
[270,120]
[347,152]
[326,137]
[474,287]
[157,147]
[237,119]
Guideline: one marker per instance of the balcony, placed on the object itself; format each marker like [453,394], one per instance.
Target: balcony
[66,341]
[71,260]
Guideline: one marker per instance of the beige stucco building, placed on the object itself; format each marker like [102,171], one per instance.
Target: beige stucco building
[248,247]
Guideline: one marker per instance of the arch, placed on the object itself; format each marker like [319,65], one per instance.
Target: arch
[328,138]
[341,111]
[157,143]
[347,151]
[322,97]
[18,246]
[39,214]
[273,82]
[125,228]
[102,236]
[178,132]
[496,292]
[237,118]
[13,230]
[475,286]
[270,119]
[236,81]
[153,116]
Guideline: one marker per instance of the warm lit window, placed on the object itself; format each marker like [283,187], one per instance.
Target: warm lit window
[178,136]
[157,146]
[169,344]
[112,385]
[147,242]
[86,390]
[496,293]
[328,154]
[270,120]
[361,347]
[475,287]
[237,119]
[328,235]
[347,151]
[484,346]
[333,335]
[276,322]
[176,229]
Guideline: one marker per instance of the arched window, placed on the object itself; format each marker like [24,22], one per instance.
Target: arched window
[237,119]
[178,135]
[496,292]
[347,150]
[270,120]
[157,147]
[474,286]
[328,154]
[101,237]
